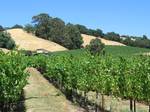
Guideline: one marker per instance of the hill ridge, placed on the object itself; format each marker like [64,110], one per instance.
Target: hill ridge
[88,38]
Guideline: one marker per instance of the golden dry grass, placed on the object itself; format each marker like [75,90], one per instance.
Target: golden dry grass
[41,96]
[88,38]
[30,42]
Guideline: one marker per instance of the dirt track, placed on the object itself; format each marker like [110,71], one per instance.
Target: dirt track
[41,96]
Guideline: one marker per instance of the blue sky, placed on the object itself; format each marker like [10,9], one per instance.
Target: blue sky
[130,17]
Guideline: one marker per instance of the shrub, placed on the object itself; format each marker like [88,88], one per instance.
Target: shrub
[96,47]
[6,41]
[29,28]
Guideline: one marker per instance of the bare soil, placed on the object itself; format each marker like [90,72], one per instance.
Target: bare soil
[41,96]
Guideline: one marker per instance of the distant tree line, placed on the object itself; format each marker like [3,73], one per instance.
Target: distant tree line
[134,41]
[84,30]
[69,35]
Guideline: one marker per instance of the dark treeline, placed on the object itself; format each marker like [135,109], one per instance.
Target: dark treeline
[134,41]
[69,35]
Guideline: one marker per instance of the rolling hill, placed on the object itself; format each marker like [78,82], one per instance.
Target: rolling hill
[28,41]
[88,38]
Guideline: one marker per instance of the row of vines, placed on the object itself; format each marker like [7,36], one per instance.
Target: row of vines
[127,78]
[12,79]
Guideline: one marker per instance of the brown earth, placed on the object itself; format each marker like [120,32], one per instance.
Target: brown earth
[41,96]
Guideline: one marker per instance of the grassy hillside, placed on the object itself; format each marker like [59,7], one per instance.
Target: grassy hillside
[111,50]
[88,38]
[28,41]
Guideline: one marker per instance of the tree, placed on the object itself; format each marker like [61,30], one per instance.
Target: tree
[145,37]
[6,41]
[17,26]
[57,29]
[82,29]
[113,36]
[29,28]
[42,25]
[1,28]
[85,30]
[72,37]
[96,47]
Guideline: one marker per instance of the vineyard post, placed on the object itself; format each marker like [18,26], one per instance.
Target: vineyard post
[96,103]
[131,105]
[103,102]
[85,98]
[134,105]
[149,107]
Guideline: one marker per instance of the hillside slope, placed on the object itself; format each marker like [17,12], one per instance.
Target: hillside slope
[88,38]
[30,42]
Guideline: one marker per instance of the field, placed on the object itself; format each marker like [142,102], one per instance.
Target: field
[111,50]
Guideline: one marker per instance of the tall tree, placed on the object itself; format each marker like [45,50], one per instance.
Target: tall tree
[72,37]
[42,25]
[56,31]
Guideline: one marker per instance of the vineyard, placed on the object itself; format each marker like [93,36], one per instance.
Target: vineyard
[12,79]
[123,77]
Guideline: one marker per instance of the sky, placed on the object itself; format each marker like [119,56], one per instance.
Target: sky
[126,17]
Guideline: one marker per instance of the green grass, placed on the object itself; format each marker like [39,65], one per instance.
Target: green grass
[110,50]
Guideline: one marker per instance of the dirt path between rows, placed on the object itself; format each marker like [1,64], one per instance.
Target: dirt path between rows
[41,96]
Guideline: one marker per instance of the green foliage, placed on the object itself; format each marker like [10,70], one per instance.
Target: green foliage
[122,77]
[118,76]
[6,41]
[42,25]
[29,28]
[115,51]
[96,47]
[72,37]
[142,42]
[54,29]
[12,77]
[113,36]
[84,30]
